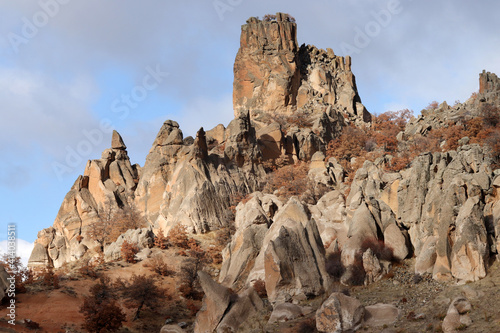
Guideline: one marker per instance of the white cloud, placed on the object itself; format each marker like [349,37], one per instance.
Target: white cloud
[23,249]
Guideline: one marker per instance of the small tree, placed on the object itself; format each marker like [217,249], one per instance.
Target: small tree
[128,251]
[141,291]
[161,240]
[100,310]
[178,236]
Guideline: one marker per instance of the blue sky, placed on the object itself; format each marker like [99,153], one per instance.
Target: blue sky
[67,68]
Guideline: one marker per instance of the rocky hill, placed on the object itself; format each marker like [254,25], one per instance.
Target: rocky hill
[300,219]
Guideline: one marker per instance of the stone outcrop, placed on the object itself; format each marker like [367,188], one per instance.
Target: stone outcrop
[339,313]
[437,116]
[223,310]
[489,88]
[272,74]
[188,185]
[143,238]
[107,185]
[279,245]
[310,91]
[457,316]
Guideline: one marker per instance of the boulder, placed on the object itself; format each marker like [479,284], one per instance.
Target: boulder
[143,238]
[215,302]
[339,313]
[285,312]
[457,315]
[470,250]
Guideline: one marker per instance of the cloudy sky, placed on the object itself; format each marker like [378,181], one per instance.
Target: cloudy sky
[72,69]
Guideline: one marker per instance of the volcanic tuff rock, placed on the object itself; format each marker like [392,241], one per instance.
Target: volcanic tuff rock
[107,185]
[276,80]
[272,74]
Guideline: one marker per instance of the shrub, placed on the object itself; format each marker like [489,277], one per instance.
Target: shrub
[50,279]
[31,325]
[159,266]
[100,311]
[388,125]
[178,236]
[141,291]
[432,106]
[379,249]
[128,251]
[306,326]
[192,307]
[161,240]
[260,288]
[289,181]
[334,266]
[188,286]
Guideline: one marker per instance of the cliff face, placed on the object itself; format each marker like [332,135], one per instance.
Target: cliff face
[273,75]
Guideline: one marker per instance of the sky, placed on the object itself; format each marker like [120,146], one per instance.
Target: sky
[73,70]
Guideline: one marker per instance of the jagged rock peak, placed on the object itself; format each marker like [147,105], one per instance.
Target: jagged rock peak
[273,75]
[489,87]
[117,141]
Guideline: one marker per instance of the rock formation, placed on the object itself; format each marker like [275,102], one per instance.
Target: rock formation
[107,185]
[276,80]
[273,75]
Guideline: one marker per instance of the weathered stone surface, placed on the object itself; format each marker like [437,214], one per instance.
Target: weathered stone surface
[223,311]
[171,329]
[427,258]
[470,250]
[252,222]
[339,313]
[380,315]
[285,312]
[292,262]
[117,141]
[143,238]
[457,315]
[107,185]
[215,302]
[243,314]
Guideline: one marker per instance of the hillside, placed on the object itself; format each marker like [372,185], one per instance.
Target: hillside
[305,213]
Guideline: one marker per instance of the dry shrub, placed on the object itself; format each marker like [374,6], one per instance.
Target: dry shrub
[192,307]
[334,266]
[358,274]
[141,291]
[128,251]
[260,287]
[112,224]
[289,181]
[31,325]
[387,126]
[88,270]
[100,310]
[379,249]
[306,326]
[432,106]
[178,236]
[50,279]
[161,240]
[158,265]
[188,283]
